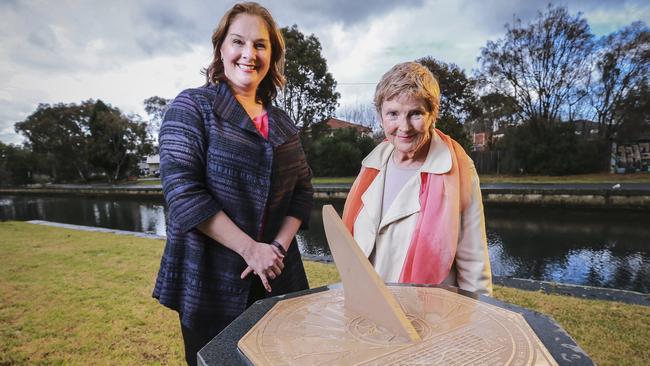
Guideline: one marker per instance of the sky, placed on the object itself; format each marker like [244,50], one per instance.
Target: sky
[124,51]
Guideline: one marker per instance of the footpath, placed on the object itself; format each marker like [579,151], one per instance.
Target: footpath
[589,195]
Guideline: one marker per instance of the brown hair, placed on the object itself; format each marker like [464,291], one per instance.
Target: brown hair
[274,79]
[411,79]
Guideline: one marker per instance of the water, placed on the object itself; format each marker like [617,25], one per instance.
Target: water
[587,247]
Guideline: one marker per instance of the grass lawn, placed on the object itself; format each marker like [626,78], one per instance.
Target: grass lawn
[146,182]
[583,178]
[73,297]
[489,178]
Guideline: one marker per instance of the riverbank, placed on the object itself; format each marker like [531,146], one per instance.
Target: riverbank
[641,177]
[72,297]
[633,196]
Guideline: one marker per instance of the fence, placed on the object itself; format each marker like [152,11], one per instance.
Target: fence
[486,162]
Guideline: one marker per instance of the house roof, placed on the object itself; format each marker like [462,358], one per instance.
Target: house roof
[335,123]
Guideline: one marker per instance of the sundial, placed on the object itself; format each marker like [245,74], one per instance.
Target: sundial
[369,323]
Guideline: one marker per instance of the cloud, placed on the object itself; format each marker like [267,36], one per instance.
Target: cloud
[603,20]
[123,51]
[324,13]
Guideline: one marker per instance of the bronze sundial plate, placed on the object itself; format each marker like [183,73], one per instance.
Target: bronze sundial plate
[316,329]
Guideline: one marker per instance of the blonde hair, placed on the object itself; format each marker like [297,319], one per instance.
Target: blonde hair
[274,79]
[409,79]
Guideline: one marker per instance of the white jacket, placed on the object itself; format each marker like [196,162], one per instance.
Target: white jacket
[390,236]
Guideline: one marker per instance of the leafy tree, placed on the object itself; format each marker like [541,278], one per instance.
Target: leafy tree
[457,99]
[155,107]
[622,68]
[340,153]
[309,95]
[543,66]
[17,165]
[57,135]
[542,148]
[633,113]
[117,141]
[74,141]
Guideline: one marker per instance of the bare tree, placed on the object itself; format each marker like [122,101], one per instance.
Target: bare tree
[622,66]
[544,65]
[359,113]
[155,107]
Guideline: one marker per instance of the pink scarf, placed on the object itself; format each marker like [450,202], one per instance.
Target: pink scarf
[432,249]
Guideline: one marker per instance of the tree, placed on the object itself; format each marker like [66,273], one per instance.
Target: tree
[633,113]
[17,165]
[494,111]
[362,114]
[74,141]
[542,148]
[57,135]
[543,66]
[622,67]
[340,153]
[155,107]
[457,99]
[309,95]
[117,141]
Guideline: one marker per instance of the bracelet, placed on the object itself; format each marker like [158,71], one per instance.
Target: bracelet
[276,244]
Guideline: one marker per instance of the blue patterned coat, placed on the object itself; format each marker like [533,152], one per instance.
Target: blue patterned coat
[212,158]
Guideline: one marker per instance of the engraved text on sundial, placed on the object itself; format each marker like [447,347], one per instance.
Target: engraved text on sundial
[456,330]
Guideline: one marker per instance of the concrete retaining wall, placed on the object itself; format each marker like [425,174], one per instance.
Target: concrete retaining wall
[588,198]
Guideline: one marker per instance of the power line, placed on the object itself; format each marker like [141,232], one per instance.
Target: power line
[356,83]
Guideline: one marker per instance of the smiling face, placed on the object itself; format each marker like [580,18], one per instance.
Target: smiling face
[246,53]
[407,125]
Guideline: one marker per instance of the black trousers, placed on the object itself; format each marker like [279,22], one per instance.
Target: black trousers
[195,339]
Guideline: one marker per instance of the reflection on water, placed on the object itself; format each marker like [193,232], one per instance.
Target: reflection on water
[598,248]
[146,216]
[313,242]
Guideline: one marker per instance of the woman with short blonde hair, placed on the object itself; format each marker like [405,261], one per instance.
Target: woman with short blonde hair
[415,208]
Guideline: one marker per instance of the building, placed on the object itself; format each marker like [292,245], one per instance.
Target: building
[633,156]
[480,140]
[335,124]
[586,129]
[149,165]
[153,162]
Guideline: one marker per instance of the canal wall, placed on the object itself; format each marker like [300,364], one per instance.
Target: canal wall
[563,197]
[628,196]
[607,196]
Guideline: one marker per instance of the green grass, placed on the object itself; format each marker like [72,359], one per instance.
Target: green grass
[493,178]
[337,180]
[583,178]
[146,182]
[73,297]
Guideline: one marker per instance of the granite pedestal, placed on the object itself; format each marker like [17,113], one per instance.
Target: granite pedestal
[222,350]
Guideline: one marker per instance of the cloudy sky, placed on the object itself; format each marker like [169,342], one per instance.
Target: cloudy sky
[124,51]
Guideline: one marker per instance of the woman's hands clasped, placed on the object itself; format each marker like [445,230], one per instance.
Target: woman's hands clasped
[264,260]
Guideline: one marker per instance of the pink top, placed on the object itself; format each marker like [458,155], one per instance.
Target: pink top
[396,178]
[261,122]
